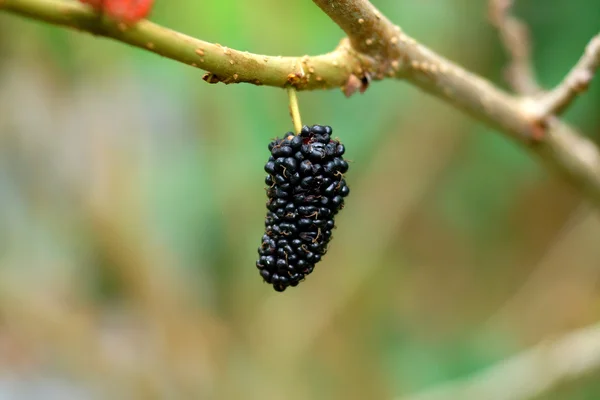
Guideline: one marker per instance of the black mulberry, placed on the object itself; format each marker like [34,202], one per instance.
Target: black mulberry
[306,190]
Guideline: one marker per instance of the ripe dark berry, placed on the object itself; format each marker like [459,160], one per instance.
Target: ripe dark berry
[270,167]
[306,189]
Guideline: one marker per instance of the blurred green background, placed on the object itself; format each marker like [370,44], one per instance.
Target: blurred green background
[132,205]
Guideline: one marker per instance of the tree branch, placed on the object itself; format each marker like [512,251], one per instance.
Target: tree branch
[515,38]
[529,374]
[225,65]
[376,49]
[369,31]
[559,146]
[576,81]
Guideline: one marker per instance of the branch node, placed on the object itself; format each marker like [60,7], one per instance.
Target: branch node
[211,78]
[356,84]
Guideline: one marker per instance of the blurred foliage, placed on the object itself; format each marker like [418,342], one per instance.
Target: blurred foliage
[132,206]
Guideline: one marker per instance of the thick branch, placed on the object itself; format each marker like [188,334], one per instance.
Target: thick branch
[515,38]
[576,81]
[369,31]
[226,65]
[529,374]
[561,148]
[380,50]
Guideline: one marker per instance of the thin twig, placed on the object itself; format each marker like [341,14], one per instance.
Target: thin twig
[294,109]
[576,81]
[379,50]
[528,374]
[515,38]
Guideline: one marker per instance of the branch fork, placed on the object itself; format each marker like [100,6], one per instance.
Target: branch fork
[540,107]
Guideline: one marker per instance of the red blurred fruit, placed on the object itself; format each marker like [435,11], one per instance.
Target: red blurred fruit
[126,11]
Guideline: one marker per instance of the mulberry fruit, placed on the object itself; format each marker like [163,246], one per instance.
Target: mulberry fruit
[306,189]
